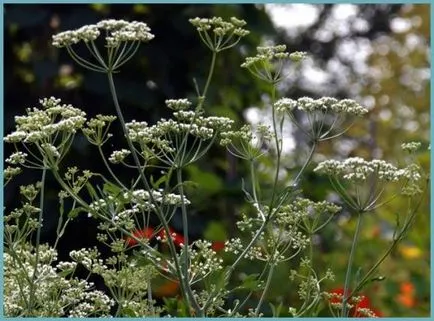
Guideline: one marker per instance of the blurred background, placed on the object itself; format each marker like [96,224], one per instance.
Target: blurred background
[378,54]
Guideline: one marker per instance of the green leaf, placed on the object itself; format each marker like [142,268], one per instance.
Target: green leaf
[74,213]
[208,182]
[160,181]
[250,282]
[91,191]
[111,189]
[276,310]
[215,231]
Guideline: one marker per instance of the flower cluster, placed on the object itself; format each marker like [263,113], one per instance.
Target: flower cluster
[411,147]
[16,158]
[324,105]
[140,196]
[323,117]
[223,32]
[204,261]
[97,129]
[50,129]
[269,62]
[14,229]
[361,182]
[116,31]
[166,138]
[309,215]
[247,143]
[178,104]
[130,281]
[55,292]
[42,125]
[356,169]
[280,242]
[140,201]
[359,307]
[118,156]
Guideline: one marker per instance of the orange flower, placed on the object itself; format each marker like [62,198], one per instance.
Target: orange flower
[407,295]
[168,289]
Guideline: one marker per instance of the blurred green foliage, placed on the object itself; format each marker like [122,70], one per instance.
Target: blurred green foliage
[165,68]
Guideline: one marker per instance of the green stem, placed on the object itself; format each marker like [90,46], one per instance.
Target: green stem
[109,168]
[346,297]
[395,242]
[38,239]
[210,73]
[187,289]
[248,247]
[183,280]
[312,150]
[278,148]
[267,286]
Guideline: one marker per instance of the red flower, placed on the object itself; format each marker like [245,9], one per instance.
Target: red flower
[355,312]
[178,239]
[145,233]
[217,246]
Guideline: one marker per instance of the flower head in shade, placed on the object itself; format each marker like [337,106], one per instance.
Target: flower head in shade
[268,64]
[218,34]
[115,31]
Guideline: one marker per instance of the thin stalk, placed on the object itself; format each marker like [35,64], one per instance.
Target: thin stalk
[183,279]
[389,250]
[267,286]
[187,289]
[255,237]
[109,169]
[312,150]
[278,149]
[208,81]
[350,265]
[38,239]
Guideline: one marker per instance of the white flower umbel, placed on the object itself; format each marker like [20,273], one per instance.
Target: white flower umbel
[411,147]
[323,116]
[178,141]
[57,292]
[49,129]
[122,39]
[219,35]
[248,143]
[269,62]
[178,104]
[361,183]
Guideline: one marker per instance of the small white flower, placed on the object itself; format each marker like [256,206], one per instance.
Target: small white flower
[119,156]
[16,158]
